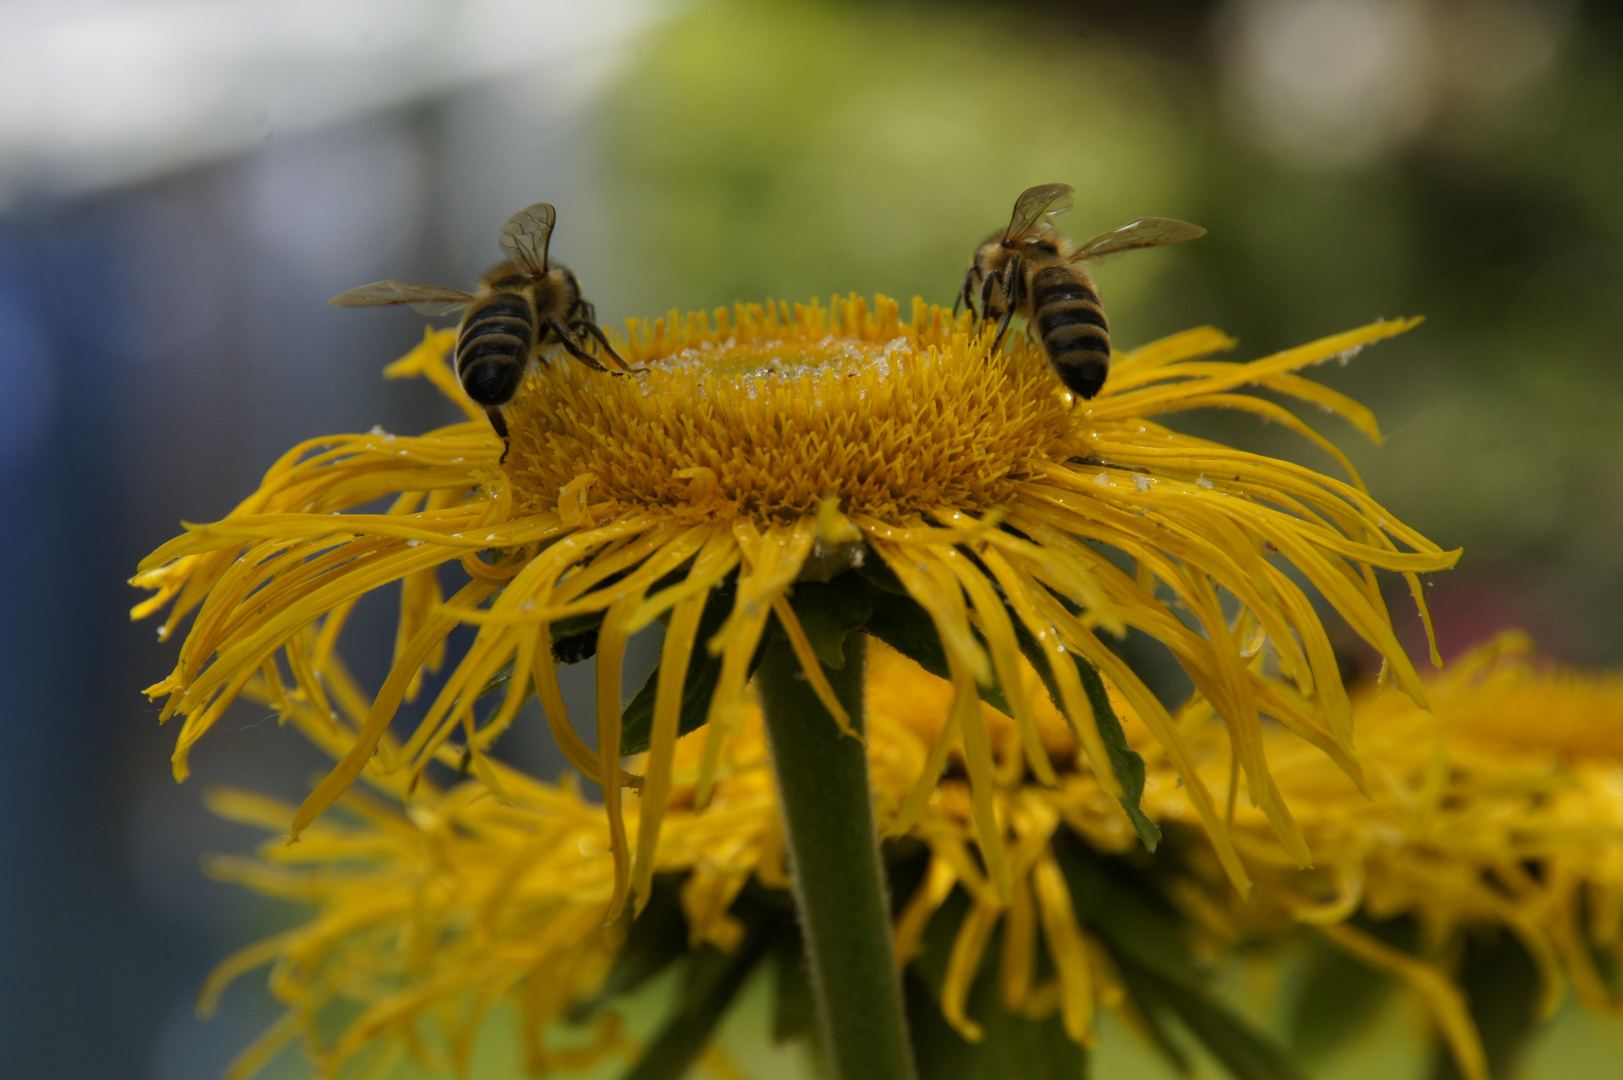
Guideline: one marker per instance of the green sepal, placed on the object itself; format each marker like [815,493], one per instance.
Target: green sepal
[1125,762]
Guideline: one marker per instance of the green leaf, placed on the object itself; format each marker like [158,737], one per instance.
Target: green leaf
[899,621]
[1502,985]
[637,722]
[939,1052]
[1336,1000]
[656,939]
[1125,762]
[498,681]
[1013,1046]
[1247,1053]
[1147,939]
[704,672]
[1127,911]
[714,979]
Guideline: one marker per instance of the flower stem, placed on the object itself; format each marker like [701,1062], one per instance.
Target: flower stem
[834,855]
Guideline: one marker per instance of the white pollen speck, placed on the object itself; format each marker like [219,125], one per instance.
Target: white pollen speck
[1142,483]
[492,536]
[414,543]
[1103,479]
[377,429]
[1202,482]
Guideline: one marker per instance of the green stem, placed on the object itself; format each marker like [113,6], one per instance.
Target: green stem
[834,855]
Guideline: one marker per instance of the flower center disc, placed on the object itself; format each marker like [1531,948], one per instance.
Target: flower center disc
[764,411]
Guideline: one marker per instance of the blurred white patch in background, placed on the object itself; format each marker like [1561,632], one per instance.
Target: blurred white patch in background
[101,92]
[326,199]
[1336,83]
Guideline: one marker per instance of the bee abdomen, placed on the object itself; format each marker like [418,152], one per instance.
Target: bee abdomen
[494,347]
[1074,331]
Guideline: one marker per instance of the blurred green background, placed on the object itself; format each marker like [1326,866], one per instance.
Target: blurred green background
[1351,161]
[171,228]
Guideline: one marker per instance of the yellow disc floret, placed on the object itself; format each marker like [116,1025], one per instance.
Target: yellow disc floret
[763,412]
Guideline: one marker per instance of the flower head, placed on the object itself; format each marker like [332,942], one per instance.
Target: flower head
[807,472]
[1503,807]
[463,897]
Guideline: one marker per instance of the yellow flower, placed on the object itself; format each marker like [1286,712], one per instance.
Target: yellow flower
[1505,808]
[430,912]
[763,447]
[1502,807]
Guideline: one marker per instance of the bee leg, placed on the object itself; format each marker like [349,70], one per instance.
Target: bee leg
[1011,283]
[499,422]
[596,331]
[575,350]
[965,297]
[1014,283]
[986,295]
[1002,328]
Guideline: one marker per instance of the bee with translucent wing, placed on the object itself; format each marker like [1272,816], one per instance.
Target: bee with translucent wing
[522,307]
[1029,269]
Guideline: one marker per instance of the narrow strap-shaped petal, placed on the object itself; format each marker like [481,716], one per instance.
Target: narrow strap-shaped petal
[383,709]
[774,559]
[1005,650]
[611,647]
[673,664]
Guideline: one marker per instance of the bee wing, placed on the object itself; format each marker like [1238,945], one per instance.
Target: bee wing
[426,299]
[526,234]
[1036,206]
[1145,232]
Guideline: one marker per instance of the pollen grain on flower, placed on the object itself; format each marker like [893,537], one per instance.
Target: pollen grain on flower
[744,455]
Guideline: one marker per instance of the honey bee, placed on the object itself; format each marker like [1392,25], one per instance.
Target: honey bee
[523,306]
[1031,270]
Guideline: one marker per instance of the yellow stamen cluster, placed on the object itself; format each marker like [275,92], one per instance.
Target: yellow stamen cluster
[764,412]
[751,444]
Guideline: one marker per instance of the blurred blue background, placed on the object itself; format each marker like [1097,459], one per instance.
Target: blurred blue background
[183,184]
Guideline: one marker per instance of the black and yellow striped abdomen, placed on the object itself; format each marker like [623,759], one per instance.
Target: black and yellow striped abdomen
[1071,323]
[494,345]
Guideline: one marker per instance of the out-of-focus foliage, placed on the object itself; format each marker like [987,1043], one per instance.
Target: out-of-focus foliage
[1457,160]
